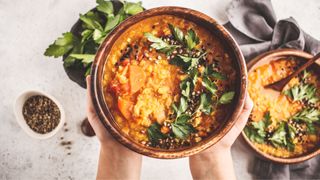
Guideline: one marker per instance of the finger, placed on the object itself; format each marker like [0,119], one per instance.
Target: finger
[91,113]
[244,116]
[90,107]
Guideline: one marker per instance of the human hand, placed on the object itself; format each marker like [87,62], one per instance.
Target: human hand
[226,142]
[100,131]
[216,162]
[115,161]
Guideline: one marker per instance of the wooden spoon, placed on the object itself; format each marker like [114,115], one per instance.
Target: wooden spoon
[279,85]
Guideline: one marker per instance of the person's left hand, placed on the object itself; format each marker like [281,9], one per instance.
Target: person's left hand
[116,161]
[106,140]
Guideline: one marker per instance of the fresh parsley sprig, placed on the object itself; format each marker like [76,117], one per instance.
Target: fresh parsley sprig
[308,115]
[256,131]
[159,44]
[154,134]
[191,39]
[187,63]
[177,33]
[181,128]
[205,104]
[226,97]
[96,25]
[301,92]
[208,71]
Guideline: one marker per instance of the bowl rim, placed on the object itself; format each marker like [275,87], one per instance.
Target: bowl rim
[97,95]
[285,52]
[18,105]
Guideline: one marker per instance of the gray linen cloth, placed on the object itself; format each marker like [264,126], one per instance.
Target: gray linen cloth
[254,26]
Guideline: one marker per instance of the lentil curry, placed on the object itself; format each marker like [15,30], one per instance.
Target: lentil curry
[168,82]
[287,126]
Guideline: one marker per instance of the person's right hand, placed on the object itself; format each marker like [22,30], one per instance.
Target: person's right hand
[216,162]
[227,141]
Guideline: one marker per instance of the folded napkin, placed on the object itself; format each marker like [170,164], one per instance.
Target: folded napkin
[254,26]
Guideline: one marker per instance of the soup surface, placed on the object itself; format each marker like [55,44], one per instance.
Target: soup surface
[168,83]
[287,125]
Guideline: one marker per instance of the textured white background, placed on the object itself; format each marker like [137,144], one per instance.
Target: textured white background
[26,29]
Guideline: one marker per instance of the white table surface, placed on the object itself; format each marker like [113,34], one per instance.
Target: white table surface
[27,27]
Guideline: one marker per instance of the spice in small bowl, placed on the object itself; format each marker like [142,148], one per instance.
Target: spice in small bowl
[39,114]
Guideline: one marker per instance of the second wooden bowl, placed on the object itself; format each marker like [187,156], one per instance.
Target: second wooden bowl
[266,58]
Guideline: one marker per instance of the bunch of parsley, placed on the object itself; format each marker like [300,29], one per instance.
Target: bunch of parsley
[96,25]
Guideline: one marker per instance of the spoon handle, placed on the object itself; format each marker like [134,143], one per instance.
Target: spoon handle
[305,66]
[280,84]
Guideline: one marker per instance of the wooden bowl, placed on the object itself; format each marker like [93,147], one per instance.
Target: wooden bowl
[200,19]
[265,59]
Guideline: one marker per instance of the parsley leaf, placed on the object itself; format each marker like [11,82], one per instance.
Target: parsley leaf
[253,135]
[260,127]
[112,22]
[227,97]
[291,131]
[267,119]
[284,136]
[256,131]
[86,34]
[132,8]
[181,128]
[191,39]
[279,136]
[154,133]
[186,88]
[209,85]
[311,129]
[159,44]
[98,36]
[177,33]
[194,76]
[208,71]
[308,115]
[186,63]
[182,119]
[86,58]
[302,92]
[183,106]
[91,21]
[205,104]
[62,45]
[105,6]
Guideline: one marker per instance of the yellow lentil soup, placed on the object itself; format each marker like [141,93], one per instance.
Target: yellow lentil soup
[168,82]
[289,125]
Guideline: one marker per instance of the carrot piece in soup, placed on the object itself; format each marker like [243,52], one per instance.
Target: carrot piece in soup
[137,78]
[125,107]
